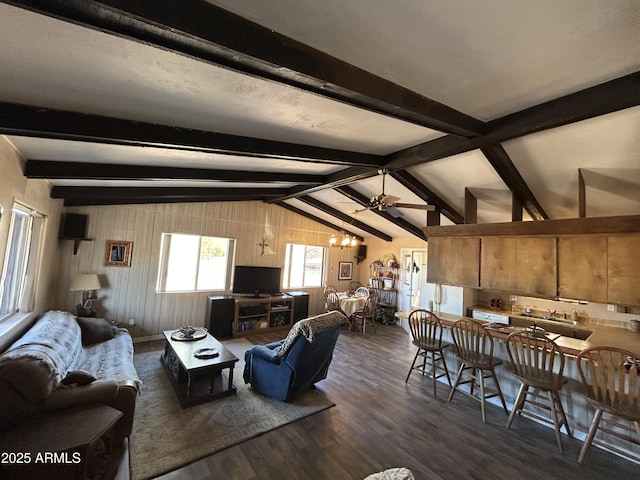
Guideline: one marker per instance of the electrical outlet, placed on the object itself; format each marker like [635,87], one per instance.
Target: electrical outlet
[132,322]
[611,308]
[513,298]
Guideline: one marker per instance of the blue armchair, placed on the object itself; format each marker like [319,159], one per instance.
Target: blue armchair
[282,369]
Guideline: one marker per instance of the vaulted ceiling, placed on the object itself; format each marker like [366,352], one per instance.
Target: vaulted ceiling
[487,110]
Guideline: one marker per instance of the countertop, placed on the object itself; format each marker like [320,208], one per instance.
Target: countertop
[603,335]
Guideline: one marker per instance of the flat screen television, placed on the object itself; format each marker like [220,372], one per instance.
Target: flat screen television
[256,281]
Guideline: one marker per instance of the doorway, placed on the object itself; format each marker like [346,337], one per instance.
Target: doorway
[413,278]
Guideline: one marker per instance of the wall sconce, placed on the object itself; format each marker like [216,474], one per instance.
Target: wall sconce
[265,249]
[87,283]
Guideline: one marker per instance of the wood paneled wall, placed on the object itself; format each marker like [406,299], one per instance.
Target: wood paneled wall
[130,292]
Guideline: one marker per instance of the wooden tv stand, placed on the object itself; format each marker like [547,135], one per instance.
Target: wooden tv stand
[268,312]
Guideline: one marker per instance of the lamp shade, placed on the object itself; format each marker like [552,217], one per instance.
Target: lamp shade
[86,281]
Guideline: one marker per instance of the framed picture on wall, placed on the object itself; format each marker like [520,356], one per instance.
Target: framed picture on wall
[118,254]
[345,270]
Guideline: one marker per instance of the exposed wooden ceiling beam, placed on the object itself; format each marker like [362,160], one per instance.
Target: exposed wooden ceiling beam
[319,220]
[570,226]
[352,194]
[500,161]
[323,207]
[32,121]
[428,195]
[608,97]
[84,202]
[206,32]
[105,171]
[129,195]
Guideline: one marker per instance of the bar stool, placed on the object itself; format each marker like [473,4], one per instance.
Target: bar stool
[475,354]
[426,331]
[611,377]
[534,358]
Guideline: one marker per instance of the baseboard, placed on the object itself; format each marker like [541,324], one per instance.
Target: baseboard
[150,338]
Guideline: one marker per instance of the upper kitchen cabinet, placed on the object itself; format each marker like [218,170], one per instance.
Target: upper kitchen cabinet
[582,268]
[454,261]
[623,254]
[525,265]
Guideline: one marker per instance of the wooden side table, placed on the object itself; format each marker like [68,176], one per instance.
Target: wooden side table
[73,444]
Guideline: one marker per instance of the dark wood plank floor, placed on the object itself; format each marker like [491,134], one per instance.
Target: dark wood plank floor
[380,422]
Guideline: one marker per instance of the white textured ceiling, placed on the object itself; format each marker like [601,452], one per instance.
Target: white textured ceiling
[486,59]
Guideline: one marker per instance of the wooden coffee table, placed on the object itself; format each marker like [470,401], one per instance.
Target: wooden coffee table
[198,380]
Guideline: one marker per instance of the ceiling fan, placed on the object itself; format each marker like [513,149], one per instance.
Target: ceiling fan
[389,203]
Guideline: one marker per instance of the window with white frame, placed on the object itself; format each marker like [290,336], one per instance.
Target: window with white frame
[304,266]
[21,260]
[191,263]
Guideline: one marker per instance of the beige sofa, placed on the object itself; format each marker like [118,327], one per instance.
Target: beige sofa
[60,364]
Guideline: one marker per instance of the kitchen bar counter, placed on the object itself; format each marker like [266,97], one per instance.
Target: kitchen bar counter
[603,335]
[578,410]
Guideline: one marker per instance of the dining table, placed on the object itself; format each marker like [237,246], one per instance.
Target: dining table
[350,303]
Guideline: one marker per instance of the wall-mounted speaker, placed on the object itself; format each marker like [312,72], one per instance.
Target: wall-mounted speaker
[362,251]
[74,226]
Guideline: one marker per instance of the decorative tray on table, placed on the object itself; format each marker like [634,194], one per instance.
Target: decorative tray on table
[189,333]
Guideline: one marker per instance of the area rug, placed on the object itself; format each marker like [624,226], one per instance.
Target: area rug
[166,436]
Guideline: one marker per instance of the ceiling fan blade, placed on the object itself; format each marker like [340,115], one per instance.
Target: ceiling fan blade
[389,199]
[429,208]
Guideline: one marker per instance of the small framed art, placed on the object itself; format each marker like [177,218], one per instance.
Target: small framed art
[345,270]
[118,254]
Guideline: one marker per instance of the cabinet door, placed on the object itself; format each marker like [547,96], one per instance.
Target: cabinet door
[624,269]
[454,261]
[582,268]
[524,265]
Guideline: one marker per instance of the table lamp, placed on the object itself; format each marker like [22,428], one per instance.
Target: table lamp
[87,283]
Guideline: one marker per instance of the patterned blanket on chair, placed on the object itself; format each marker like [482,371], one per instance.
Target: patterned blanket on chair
[309,327]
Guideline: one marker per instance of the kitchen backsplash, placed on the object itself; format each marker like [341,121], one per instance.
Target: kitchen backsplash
[590,313]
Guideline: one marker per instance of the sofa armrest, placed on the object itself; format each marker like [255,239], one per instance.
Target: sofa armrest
[120,395]
[100,391]
[263,352]
[274,345]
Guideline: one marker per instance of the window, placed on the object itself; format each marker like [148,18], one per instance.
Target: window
[191,263]
[20,269]
[304,266]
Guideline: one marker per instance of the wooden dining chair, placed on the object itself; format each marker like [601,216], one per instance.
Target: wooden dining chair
[474,346]
[330,289]
[366,314]
[611,377]
[426,334]
[361,292]
[538,363]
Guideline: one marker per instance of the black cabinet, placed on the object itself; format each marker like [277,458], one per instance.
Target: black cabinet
[221,311]
[300,305]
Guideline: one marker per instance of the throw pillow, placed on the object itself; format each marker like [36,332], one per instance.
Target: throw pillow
[96,330]
[79,377]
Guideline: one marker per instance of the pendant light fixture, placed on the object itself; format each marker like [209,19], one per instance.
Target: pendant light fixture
[347,241]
